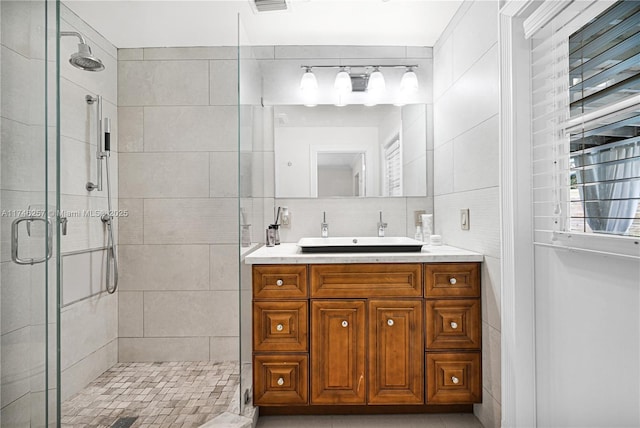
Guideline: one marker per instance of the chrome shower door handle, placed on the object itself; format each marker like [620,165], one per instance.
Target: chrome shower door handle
[15,242]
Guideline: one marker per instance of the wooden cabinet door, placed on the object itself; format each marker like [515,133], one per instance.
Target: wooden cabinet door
[396,354]
[338,352]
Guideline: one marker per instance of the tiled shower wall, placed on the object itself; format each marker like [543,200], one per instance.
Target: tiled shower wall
[89,323]
[88,315]
[178,298]
[466,166]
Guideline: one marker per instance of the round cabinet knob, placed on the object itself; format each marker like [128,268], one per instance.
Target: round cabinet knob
[454,325]
[452,281]
[389,322]
[281,381]
[279,283]
[345,324]
[455,380]
[279,327]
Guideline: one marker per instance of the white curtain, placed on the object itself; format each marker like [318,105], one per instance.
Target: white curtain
[617,201]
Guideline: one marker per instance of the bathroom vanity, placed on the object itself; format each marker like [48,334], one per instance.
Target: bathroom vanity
[360,331]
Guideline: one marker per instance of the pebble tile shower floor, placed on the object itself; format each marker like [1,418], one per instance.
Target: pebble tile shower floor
[171,394]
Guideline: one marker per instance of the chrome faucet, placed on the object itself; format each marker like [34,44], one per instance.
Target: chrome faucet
[324,226]
[381,227]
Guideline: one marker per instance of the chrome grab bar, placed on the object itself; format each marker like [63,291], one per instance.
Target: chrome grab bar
[15,241]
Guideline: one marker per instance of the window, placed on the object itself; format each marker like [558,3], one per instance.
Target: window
[393,168]
[586,123]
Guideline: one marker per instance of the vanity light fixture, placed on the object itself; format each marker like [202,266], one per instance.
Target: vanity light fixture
[343,82]
[367,78]
[309,88]
[409,81]
[376,82]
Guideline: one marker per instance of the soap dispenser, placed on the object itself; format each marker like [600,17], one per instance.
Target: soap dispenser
[418,235]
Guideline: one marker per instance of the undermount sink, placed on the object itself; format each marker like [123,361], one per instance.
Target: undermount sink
[387,244]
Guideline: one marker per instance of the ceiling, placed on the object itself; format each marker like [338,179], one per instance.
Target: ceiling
[152,23]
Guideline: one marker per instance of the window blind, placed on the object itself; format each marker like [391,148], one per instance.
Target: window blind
[586,122]
[393,168]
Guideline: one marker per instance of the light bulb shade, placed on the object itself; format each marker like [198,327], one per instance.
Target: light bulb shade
[409,82]
[343,83]
[309,83]
[376,83]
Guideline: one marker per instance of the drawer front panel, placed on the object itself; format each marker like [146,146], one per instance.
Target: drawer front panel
[454,378]
[280,281]
[366,280]
[280,326]
[452,280]
[453,324]
[280,379]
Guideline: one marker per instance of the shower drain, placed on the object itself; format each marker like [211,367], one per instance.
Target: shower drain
[124,422]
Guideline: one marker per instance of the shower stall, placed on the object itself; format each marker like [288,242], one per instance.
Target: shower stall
[121,222]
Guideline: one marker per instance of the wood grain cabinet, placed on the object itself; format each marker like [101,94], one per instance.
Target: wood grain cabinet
[395,352]
[338,352]
[453,333]
[280,335]
[406,334]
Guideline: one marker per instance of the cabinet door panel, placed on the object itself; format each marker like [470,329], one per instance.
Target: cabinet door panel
[396,354]
[338,352]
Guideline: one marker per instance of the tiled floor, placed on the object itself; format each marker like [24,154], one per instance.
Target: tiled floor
[175,394]
[372,421]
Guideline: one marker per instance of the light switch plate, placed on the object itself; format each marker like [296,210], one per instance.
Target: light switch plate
[417,215]
[464,219]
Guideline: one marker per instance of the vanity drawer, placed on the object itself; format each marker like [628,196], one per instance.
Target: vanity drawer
[280,380]
[366,280]
[453,378]
[280,326]
[452,280]
[452,324]
[280,281]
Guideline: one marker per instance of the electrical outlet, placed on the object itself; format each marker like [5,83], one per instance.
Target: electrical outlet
[285,217]
[464,219]
[417,216]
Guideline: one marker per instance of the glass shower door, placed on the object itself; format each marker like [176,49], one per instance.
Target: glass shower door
[28,213]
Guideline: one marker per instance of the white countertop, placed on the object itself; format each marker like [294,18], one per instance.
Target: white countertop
[289,253]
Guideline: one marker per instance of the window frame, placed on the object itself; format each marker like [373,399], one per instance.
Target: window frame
[568,19]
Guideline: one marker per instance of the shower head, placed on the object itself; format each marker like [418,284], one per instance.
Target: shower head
[83,59]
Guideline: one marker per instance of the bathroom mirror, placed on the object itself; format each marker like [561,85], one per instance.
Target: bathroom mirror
[350,151]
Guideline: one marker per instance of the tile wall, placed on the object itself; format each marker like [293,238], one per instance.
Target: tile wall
[466,165]
[89,315]
[178,169]
[178,298]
